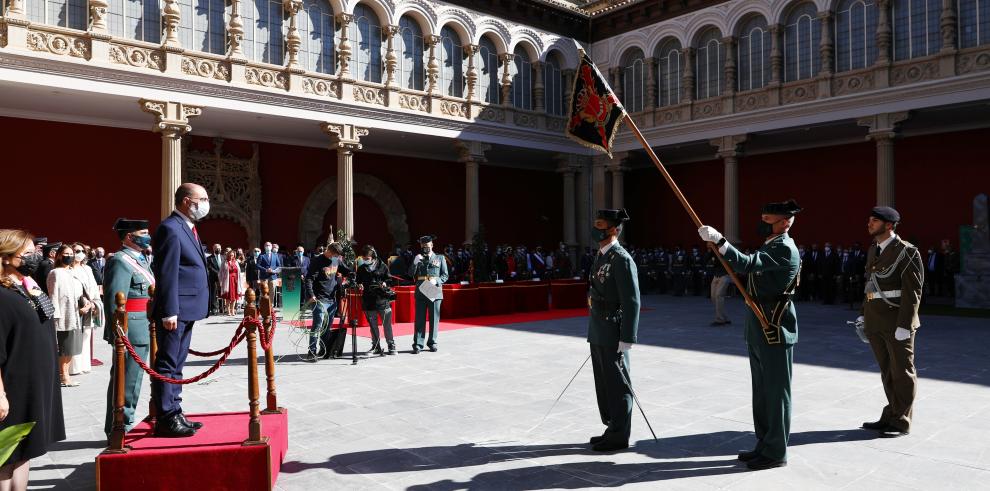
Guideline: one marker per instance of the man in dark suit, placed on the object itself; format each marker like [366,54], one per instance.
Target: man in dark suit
[828,266]
[182,297]
[301,261]
[934,267]
[251,268]
[97,264]
[47,265]
[269,264]
[213,263]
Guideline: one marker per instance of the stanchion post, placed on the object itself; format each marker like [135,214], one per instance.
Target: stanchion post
[116,440]
[152,353]
[254,423]
[268,323]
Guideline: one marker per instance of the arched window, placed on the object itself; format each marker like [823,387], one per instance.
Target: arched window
[754,55]
[522,79]
[802,36]
[487,66]
[553,86]
[263,39]
[855,34]
[709,54]
[63,13]
[633,80]
[140,20]
[451,63]
[410,47]
[974,22]
[316,25]
[367,38]
[202,25]
[916,28]
[669,73]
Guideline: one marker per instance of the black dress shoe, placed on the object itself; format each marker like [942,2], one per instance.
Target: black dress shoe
[607,446]
[391,349]
[760,462]
[433,348]
[747,456]
[891,432]
[875,425]
[172,427]
[415,350]
[192,424]
[595,440]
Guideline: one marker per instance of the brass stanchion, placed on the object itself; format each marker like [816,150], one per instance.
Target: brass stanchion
[268,322]
[254,424]
[116,440]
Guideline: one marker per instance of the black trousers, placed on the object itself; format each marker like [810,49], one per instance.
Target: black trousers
[173,348]
[615,400]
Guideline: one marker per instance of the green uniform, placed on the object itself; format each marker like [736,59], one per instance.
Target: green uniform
[772,276]
[614,317]
[121,275]
[898,273]
[431,268]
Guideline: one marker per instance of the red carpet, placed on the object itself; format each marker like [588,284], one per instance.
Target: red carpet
[405,328]
[213,459]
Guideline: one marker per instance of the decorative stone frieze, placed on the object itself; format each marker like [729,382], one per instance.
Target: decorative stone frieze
[266,78]
[526,120]
[493,114]
[322,88]
[847,83]
[707,108]
[799,92]
[205,68]
[59,44]
[137,57]
[749,101]
[455,109]
[369,95]
[914,72]
[414,102]
[974,61]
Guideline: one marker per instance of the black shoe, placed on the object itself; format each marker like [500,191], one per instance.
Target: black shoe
[747,456]
[607,446]
[172,427]
[378,351]
[595,440]
[760,463]
[876,425]
[192,424]
[391,349]
[433,348]
[415,350]
[891,432]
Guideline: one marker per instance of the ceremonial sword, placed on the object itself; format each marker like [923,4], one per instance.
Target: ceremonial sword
[622,372]
[561,395]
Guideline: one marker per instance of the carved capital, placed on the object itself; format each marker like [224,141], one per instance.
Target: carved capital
[728,146]
[471,151]
[344,136]
[883,126]
[171,118]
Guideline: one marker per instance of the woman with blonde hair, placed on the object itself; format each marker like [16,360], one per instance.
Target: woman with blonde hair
[29,391]
[69,299]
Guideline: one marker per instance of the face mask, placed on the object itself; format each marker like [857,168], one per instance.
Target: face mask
[200,211]
[29,264]
[299,254]
[426,251]
[80,256]
[142,241]
[599,234]
[764,229]
[67,260]
[268,248]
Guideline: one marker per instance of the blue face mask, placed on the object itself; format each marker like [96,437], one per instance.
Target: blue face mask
[142,241]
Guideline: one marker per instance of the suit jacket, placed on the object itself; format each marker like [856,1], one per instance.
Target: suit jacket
[268,260]
[302,264]
[179,266]
[98,265]
[41,275]
[213,265]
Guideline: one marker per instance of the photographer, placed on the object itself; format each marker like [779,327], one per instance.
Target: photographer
[373,276]
[320,285]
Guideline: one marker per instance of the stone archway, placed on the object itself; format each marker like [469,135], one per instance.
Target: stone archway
[233,184]
[325,195]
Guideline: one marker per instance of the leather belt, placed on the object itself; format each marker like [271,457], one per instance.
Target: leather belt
[137,305]
[423,278]
[887,294]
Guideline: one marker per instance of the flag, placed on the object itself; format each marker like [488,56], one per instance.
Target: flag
[594,113]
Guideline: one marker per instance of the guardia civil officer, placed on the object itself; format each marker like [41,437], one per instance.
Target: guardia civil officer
[128,272]
[894,278]
[612,328]
[772,273]
[431,267]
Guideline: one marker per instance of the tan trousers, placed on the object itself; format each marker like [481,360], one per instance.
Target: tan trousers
[718,289]
[900,380]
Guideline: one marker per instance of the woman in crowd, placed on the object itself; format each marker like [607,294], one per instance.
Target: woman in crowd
[70,305]
[231,286]
[29,391]
[373,277]
[82,363]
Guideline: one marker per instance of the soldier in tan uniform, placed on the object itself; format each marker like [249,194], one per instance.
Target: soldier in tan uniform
[894,278]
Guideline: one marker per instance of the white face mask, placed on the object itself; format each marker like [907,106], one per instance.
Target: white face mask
[200,211]
[80,257]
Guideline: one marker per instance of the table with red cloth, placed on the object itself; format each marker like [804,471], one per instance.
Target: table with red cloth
[460,301]
[531,296]
[404,307]
[569,294]
[496,298]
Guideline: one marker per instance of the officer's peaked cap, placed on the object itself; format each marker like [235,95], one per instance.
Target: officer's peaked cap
[886,214]
[426,238]
[614,216]
[128,225]
[789,208]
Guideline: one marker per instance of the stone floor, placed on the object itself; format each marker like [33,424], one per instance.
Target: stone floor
[468,416]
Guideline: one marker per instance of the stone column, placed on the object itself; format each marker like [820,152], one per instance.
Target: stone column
[432,65]
[506,79]
[292,39]
[884,32]
[344,49]
[97,14]
[99,37]
[472,155]
[471,77]
[618,184]
[688,78]
[729,150]
[390,59]
[568,81]
[650,65]
[170,18]
[16,25]
[599,165]
[538,88]
[235,31]
[883,130]
[568,167]
[729,73]
[948,24]
[826,51]
[584,201]
[616,73]
[172,121]
[345,139]
[776,55]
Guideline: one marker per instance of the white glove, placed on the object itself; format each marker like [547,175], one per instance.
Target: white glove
[860,321]
[861,329]
[902,334]
[709,234]
[623,347]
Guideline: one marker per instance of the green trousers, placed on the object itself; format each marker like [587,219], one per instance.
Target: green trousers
[615,400]
[770,367]
[133,376]
[424,305]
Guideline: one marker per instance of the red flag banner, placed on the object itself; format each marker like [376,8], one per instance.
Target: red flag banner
[594,111]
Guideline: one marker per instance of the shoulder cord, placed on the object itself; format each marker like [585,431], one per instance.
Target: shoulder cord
[887,273]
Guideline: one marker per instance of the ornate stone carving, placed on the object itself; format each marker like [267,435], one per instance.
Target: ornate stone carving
[266,78]
[344,47]
[414,102]
[323,88]
[856,82]
[671,115]
[973,61]
[369,95]
[170,18]
[137,57]
[98,14]
[707,108]
[205,68]
[325,195]
[453,108]
[752,100]
[3,34]
[233,184]
[493,114]
[235,31]
[391,61]
[59,44]
[556,124]
[914,72]
[526,120]
[806,91]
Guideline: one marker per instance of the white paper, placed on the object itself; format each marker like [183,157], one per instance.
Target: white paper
[430,291]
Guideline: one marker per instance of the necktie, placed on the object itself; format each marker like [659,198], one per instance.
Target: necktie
[878,250]
[195,234]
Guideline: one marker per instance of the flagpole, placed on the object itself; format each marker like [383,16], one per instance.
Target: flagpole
[697,222]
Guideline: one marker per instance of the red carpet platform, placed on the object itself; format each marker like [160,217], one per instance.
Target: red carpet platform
[213,459]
